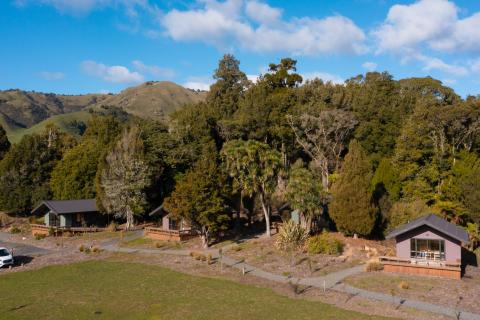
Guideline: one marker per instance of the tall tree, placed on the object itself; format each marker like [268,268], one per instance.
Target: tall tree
[230,84]
[26,168]
[305,194]
[4,143]
[74,176]
[323,138]
[124,178]
[352,207]
[254,166]
[199,199]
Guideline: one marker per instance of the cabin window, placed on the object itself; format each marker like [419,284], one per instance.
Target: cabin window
[172,224]
[427,249]
[53,220]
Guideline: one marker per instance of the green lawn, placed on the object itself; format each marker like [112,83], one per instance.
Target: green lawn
[116,290]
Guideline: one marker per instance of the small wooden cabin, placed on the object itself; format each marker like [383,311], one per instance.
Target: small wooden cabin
[428,245]
[70,213]
[170,228]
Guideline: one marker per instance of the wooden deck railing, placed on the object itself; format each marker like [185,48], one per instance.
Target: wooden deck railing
[420,262]
[45,230]
[169,235]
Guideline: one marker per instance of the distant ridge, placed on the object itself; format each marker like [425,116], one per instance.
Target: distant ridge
[153,99]
[23,112]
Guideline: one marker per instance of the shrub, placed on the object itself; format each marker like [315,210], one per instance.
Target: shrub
[112,227]
[51,231]
[209,259]
[4,219]
[15,230]
[291,236]
[374,266]
[96,250]
[403,285]
[325,243]
[39,236]
[81,248]
[87,250]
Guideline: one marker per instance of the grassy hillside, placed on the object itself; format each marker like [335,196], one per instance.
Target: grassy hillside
[62,121]
[115,290]
[153,99]
[22,109]
[23,112]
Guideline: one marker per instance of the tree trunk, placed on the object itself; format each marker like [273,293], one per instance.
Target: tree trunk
[241,209]
[129,214]
[306,222]
[266,212]
[204,237]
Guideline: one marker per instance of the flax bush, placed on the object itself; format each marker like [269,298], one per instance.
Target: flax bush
[291,236]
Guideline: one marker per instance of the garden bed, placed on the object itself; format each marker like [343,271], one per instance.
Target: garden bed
[263,254]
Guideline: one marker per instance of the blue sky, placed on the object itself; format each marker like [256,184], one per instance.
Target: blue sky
[81,46]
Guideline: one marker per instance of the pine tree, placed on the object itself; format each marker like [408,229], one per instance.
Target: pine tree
[352,208]
[199,199]
[4,143]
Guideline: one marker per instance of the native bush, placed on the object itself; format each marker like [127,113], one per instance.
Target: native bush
[325,243]
[374,266]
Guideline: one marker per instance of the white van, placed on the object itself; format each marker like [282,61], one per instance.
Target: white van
[6,257]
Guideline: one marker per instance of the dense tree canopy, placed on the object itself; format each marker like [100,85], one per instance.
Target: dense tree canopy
[376,152]
[74,176]
[26,169]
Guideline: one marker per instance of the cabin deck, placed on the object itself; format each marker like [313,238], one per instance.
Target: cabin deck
[445,269]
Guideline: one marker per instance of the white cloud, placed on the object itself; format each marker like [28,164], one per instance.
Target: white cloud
[325,76]
[69,6]
[431,63]
[115,74]
[370,66]
[262,13]
[52,76]
[198,83]
[432,24]
[232,23]
[153,70]
[83,7]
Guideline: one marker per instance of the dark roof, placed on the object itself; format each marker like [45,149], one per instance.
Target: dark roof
[68,206]
[159,210]
[436,223]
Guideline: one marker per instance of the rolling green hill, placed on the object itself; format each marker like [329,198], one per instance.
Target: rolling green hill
[23,112]
[63,121]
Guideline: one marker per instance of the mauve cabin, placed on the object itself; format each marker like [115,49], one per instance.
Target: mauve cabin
[428,245]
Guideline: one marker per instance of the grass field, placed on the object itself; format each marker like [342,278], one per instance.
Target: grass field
[115,290]
[61,121]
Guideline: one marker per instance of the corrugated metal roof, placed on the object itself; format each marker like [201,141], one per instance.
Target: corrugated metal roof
[69,206]
[436,223]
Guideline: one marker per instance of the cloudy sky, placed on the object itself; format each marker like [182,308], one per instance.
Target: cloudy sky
[80,46]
